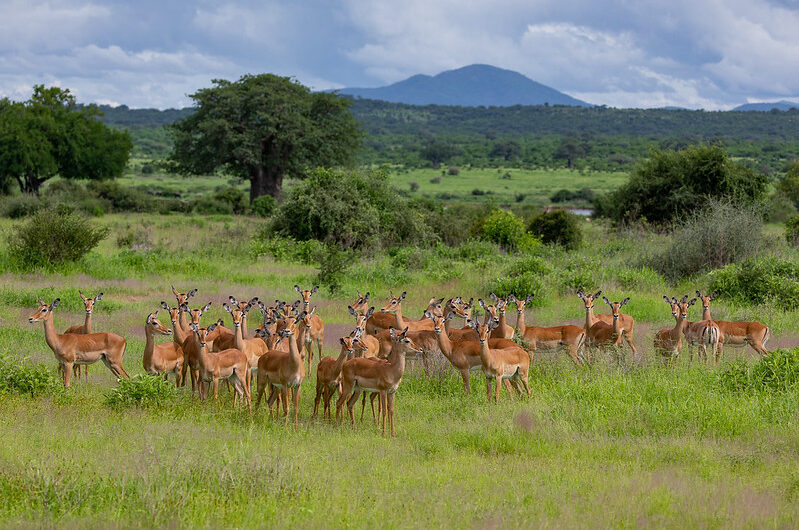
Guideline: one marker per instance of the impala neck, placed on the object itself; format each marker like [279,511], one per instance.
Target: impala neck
[244,333]
[87,324]
[589,318]
[681,324]
[502,321]
[178,335]
[520,323]
[398,318]
[294,352]
[444,342]
[204,354]
[182,321]
[238,335]
[51,336]
[149,346]
[706,313]
[485,354]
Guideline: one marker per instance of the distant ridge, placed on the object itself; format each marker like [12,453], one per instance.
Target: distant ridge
[765,107]
[471,86]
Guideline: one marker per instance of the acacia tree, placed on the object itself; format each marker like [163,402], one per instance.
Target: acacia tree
[264,128]
[50,135]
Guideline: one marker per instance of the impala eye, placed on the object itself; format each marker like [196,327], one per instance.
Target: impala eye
[44,310]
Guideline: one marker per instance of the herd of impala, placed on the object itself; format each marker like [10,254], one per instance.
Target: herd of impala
[372,357]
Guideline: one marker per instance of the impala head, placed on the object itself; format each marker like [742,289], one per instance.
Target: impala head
[706,299]
[520,304]
[351,343]
[236,313]
[439,320]
[361,303]
[270,337]
[242,304]
[465,307]
[674,304]
[44,311]
[500,303]
[183,298]
[195,314]
[291,325]
[402,339]
[155,326]
[393,302]
[490,310]
[88,303]
[588,299]
[361,318]
[483,330]
[306,295]
[202,333]
[455,308]
[174,312]
[305,320]
[615,306]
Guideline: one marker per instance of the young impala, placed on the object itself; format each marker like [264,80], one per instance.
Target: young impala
[383,319]
[668,341]
[160,358]
[316,329]
[183,298]
[282,371]
[500,364]
[600,334]
[328,373]
[86,328]
[555,338]
[228,364]
[737,334]
[71,349]
[626,322]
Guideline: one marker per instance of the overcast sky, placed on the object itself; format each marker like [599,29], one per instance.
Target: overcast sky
[636,53]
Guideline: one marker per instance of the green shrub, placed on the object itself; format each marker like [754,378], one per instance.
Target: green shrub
[503,228]
[236,198]
[21,205]
[558,227]
[720,234]
[779,208]
[53,237]
[145,391]
[121,198]
[521,285]
[759,281]
[792,231]
[26,378]
[333,264]
[779,372]
[285,249]
[263,206]
[453,170]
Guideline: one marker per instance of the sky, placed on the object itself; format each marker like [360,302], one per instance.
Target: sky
[712,54]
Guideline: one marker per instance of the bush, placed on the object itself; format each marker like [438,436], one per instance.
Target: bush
[414,186]
[263,206]
[145,391]
[25,378]
[558,227]
[477,192]
[503,228]
[759,281]
[435,180]
[21,206]
[792,231]
[779,372]
[779,208]
[53,237]
[672,184]
[333,264]
[122,199]
[453,170]
[211,206]
[234,197]
[285,249]
[563,195]
[789,185]
[720,234]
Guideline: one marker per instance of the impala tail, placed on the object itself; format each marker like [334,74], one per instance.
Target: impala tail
[710,335]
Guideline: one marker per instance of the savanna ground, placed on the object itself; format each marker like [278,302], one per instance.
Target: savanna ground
[622,443]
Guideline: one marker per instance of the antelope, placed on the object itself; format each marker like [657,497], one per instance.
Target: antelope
[503,330]
[382,320]
[283,370]
[394,306]
[737,334]
[361,303]
[160,358]
[71,349]
[178,335]
[253,349]
[370,342]
[328,373]
[316,330]
[228,364]
[375,375]
[86,328]
[226,338]
[183,298]
[600,334]
[553,338]
[464,354]
[191,352]
[702,333]
[512,364]
[626,321]
[668,341]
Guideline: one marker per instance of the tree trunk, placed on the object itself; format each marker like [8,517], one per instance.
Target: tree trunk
[265,181]
[571,161]
[29,183]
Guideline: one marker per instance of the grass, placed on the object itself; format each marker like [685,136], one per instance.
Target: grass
[617,444]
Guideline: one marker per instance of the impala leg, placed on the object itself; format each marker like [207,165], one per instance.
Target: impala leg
[498,386]
[296,397]
[465,377]
[390,407]
[507,384]
[526,385]
[573,353]
[259,394]
[216,388]
[363,405]
[382,405]
[67,374]
[372,404]
[351,404]
[316,399]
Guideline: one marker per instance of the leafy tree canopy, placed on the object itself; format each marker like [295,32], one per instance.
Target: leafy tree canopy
[264,128]
[50,135]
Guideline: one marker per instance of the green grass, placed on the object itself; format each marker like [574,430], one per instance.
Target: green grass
[617,444]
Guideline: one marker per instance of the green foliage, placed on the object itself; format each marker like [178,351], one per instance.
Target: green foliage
[285,249]
[333,264]
[27,379]
[21,205]
[263,206]
[503,228]
[49,134]
[779,208]
[766,280]
[233,197]
[672,184]
[557,227]
[792,231]
[779,372]
[563,195]
[721,233]
[789,185]
[142,391]
[51,238]
[263,128]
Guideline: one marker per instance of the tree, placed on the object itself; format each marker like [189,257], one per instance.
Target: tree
[508,150]
[437,151]
[50,135]
[789,186]
[570,148]
[264,128]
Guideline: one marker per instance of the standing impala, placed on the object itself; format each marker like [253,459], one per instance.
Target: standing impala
[600,334]
[183,298]
[361,303]
[282,371]
[383,320]
[737,334]
[160,358]
[498,365]
[668,341]
[503,330]
[71,349]
[252,348]
[702,333]
[394,306]
[328,373]
[227,338]
[626,322]
[228,364]
[316,331]
[370,343]
[553,338]
[86,328]
[178,335]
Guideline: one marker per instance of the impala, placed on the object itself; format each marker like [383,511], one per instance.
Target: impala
[600,334]
[553,338]
[183,298]
[178,335]
[227,338]
[316,330]
[737,334]
[86,328]
[626,321]
[375,375]
[361,303]
[512,364]
[283,370]
[370,342]
[394,306]
[668,341]
[503,330]
[71,349]
[191,352]
[383,320]
[702,333]
[228,364]
[253,349]
[328,373]
[160,358]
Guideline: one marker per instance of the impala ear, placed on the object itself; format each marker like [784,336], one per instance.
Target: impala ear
[55,303]
[391,293]
[529,298]
[315,288]
[296,304]
[684,299]
[81,295]
[227,307]
[211,327]
[193,326]
[41,302]
[232,300]
[358,333]
[428,314]
[494,297]
[174,291]
[191,293]
[580,293]
[150,318]
[714,296]
[402,296]
[312,311]
[351,310]
[667,299]
[184,307]
[440,300]
[164,305]
[482,304]
[605,299]
[261,305]
[596,295]
[370,312]
[625,301]
[692,302]
[205,308]
[492,324]
[342,341]
[392,333]
[404,332]
[297,288]
[98,297]
[449,317]
[511,298]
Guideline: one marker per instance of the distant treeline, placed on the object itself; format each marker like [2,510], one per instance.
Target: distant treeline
[599,138]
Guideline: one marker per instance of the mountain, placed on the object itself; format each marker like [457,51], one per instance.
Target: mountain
[765,107]
[470,86]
